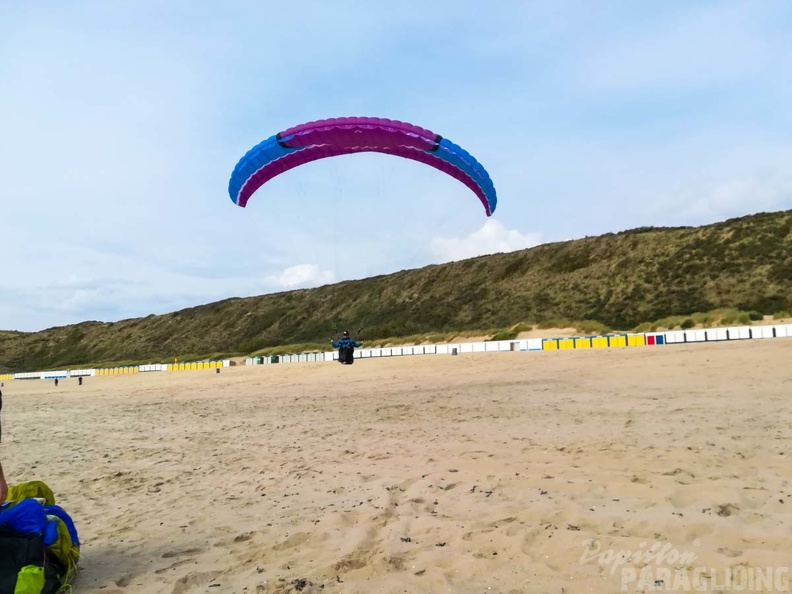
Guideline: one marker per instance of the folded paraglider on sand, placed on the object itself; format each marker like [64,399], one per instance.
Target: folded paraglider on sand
[39,544]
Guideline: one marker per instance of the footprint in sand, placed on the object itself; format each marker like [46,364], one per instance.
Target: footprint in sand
[396,563]
[753,498]
[683,498]
[172,566]
[238,538]
[727,509]
[730,552]
[353,561]
[683,477]
[188,582]
[181,553]
[295,540]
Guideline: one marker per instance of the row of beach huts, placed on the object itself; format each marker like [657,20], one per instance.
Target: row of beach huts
[617,340]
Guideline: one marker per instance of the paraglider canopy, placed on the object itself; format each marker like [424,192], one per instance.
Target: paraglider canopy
[341,136]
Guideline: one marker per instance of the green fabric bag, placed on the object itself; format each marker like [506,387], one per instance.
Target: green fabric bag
[30,580]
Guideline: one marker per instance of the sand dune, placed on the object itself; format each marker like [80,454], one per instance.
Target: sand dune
[469,474]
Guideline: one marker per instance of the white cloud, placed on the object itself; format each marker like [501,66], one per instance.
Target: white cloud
[726,199]
[303,275]
[492,238]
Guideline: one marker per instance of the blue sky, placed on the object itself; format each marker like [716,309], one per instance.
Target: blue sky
[120,124]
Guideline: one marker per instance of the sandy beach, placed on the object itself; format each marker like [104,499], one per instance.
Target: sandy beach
[503,473]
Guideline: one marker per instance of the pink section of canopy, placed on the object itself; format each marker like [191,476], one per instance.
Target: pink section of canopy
[341,136]
[301,157]
[380,132]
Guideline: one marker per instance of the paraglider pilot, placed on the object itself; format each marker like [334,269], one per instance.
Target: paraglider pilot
[346,348]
